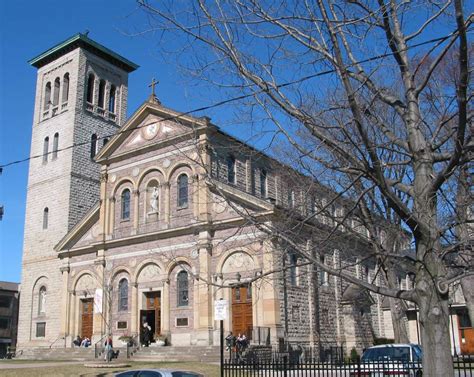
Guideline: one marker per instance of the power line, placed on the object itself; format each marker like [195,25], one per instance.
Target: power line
[233,99]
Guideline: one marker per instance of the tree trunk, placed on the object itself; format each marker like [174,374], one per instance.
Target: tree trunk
[399,318]
[398,309]
[434,325]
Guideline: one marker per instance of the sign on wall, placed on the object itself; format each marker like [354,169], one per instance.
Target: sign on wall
[220,310]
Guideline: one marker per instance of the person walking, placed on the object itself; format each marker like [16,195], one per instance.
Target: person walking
[109,349]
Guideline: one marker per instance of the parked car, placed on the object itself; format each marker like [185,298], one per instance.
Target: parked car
[390,360]
[157,373]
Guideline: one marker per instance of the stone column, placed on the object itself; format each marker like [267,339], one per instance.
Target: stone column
[204,194]
[167,200]
[248,175]
[196,189]
[111,220]
[134,309]
[64,310]
[269,292]
[103,201]
[204,320]
[99,319]
[136,214]
[73,313]
[165,301]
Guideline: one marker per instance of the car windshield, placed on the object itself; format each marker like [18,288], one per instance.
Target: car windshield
[387,354]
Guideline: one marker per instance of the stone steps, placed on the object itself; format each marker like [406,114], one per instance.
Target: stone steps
[197,353]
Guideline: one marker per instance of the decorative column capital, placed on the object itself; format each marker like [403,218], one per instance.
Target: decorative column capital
[103,177]
[100,262]
[65,269]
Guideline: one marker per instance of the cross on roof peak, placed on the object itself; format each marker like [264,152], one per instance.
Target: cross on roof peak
[152,86]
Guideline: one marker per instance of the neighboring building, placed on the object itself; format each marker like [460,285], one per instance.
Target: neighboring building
[149,227]
[9,296]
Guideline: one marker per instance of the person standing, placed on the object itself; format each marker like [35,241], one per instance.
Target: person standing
[109,349]
[146,334]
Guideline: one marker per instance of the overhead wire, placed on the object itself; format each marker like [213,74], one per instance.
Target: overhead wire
[230,100]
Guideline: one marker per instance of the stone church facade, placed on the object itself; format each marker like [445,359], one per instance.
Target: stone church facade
[154,225]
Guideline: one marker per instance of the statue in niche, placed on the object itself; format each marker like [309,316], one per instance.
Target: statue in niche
[154,200]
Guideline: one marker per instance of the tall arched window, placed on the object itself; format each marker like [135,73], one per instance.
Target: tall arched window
[65,88]
[293,267]
[47,96]
[231,170]
[291,198]
[112,99]
[263,183]
[56,92]
[123,295]
[55,145]
[125,205]
[42,300]
[183,191]
[45,149]
[90,88]
[183,288]
[101,94]
[45,218]
[93,145]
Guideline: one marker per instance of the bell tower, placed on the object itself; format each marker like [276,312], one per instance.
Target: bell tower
[80,101]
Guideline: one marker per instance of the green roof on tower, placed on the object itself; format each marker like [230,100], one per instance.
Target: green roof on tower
[82,40]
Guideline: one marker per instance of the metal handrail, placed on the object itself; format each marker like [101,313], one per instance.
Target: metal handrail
[132,349]
[55,340]
[97,353]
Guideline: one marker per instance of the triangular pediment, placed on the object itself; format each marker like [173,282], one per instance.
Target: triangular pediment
[150,126]
[85,233]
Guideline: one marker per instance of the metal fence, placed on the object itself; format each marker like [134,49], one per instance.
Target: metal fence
[283,365]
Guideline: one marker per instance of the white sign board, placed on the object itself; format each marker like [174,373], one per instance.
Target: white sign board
[98,301]
[220,310]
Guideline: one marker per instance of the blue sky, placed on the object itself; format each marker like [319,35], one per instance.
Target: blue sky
[27,28]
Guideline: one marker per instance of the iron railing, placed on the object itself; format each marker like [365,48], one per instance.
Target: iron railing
[283,365]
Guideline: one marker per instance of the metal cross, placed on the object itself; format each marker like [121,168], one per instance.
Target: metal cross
[152,86]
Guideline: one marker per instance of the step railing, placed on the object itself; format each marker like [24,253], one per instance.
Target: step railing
[55,340]
[133,346]
[98,347]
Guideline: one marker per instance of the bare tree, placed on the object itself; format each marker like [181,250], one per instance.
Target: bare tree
[349,86]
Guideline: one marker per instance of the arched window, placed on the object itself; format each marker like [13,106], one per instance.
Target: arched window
[65,87]
[123,295]
[45,149]
[42,300]
[125,208]
[291,198]
[293,267]
[182,191]
[56,92]
[183,289]
[112,99]
[90,88]
[263,183]
[101,94]
[231,170]
[45,218]
[55,145]
[47,96]
[323,275]
[93,145]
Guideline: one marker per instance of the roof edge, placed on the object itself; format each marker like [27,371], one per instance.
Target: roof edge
[82,40]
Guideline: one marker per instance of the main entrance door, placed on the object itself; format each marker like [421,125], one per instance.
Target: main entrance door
[242,310]
[152,313]
[87,313]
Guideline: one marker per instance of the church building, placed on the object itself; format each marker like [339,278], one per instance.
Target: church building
[153,218]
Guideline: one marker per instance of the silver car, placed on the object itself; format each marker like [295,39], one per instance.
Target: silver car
[390,359]
[158,373]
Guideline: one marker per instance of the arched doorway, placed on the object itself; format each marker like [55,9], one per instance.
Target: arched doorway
[242,322]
